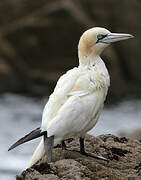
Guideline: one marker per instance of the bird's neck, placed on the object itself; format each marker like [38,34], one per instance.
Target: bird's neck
[88,61]
[94,63]
[97,70]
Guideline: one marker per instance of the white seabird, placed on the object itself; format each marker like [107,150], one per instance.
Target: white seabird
[78,98]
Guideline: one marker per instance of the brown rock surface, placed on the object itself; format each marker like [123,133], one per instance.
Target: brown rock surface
[136,134]
[124,157]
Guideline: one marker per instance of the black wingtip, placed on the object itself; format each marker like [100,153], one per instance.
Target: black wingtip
[32,135]
[10,148]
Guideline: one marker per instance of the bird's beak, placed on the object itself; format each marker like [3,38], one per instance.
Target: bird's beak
[114,37]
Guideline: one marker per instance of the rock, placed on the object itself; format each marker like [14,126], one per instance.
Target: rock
[136,134]
[124,157]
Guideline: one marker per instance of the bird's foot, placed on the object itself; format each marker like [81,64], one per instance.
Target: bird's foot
[89,154]
[48,144]
[72,149]
[82,151]
[69,148]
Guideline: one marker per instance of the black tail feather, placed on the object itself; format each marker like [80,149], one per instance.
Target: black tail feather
[32,135]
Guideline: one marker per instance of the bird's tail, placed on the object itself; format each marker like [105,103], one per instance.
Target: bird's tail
[32,135]
[39,152]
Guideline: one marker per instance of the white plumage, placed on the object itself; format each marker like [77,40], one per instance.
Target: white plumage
[75,105]
[78,98]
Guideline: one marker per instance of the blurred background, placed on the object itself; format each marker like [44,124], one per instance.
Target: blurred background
[38,43]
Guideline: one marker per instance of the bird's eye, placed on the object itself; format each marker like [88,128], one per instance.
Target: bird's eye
[101,36]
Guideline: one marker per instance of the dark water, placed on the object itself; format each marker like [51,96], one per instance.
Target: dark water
[19,115]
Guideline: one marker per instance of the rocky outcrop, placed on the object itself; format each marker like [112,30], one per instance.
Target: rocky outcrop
[38,42]
[124,157]
[135,134]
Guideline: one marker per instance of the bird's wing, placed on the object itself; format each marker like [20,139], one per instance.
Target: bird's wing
[74,83]
[75,116]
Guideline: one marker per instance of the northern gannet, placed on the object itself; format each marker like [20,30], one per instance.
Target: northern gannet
[78,98]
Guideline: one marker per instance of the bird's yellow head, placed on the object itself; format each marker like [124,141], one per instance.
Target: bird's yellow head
[94,41]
